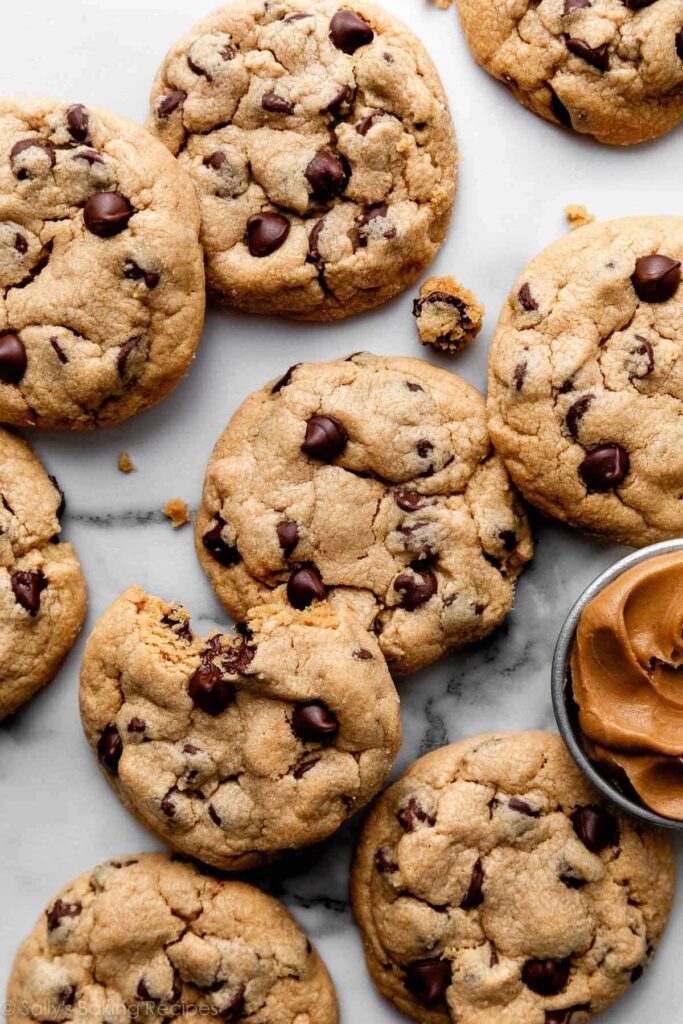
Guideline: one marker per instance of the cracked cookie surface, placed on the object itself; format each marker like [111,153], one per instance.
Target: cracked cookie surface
[371,479]
[234,749]
[149,937]
[586,380]
[42,590]
[492,886]
[612,69]
[101,271]
[320,143]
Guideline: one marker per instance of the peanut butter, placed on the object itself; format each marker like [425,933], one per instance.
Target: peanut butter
[627,673]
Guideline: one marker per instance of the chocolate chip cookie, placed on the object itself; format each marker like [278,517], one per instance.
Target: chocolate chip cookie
[492,886]
[612,69]
[101,269]
[448,316]
[586,380]
[42,590]
[235,749]
[372,480]
[152,938]
[319,140]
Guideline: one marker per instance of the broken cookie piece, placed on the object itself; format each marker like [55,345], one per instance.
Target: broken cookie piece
[448,315]
[177,511]
[125,463]
[577,216]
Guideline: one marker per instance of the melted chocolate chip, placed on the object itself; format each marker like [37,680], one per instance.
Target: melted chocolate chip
[643,348]
[305,586]
[214,815]
[325,438]
[605,468]
[417,588]
[288,536]
[361,654]
[656,278]
[12,358]
[125,350]
[77,122]
[137,725]
[384,862]
[343,97]
[373,212]
[275,104]
[234,1010]
[59,911]
[167,804]
[225,554]
[428,980]
[265,233]
[596,56]
[526,299]
[59,351]
[20,147]
[27,587]
[576,5]
[522,807]
[209,691]
[546,977]
[577,410]
[168,104]
[284,380]
[89,155]
[474,897]
[559,111]
[595,827]
[413,814]
[348,31]
[110,749]
[314,723]
[107,214]
[132,272]
[369,121]
[564,1016]
[313,239]
[679,43]
[410,501]
[302,769]
[327,176]
[519,375]
[238,657]
[20,244]
[508,539]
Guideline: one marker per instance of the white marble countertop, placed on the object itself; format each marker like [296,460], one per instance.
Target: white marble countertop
[57,816]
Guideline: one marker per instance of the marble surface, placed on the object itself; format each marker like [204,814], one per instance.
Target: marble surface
[57,816]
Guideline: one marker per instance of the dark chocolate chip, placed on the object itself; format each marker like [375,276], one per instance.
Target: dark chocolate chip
[576,5]
[327,175]
[372,213]
[168,805]
[62,498]
[215,160]
[596,56]
[384,862]
[546,977]
[107,214]
[679,43]
[643,348]
[369,121]
[636,5]
[344,96]
[656,278]
[234,1010]
[519,375]
[526,299]
[413,814]
[417,588]
[412,386]
[77,122]
[109,749]
[605,468]
[410,501]
[265,233]
[596,828]
[637,973]
[428,980]
[424,448]
[137,725]
[59,351]
[474,897]
[564,1016]
[20,244]
[325,438]
[314,723]
[59,911]
[125,350]
[302,769]
[275,104]
[209,691]
[170,103]
[348,31]
[12,358]
[522,807]
[22,146]
[559,111]
[305,586]
[508,539]
[89,155]
[576,411]
[288,536]
[224,554]
[313,239]
[361,654]
[238,657]
[214,815]
[284,380]
[27,587]
[132,272]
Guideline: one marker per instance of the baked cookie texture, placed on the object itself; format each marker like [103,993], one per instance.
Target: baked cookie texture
[586,380]
[612,69]
[372,480]
[235,749]
[318,137]
[151,937]
[492,886]
[101,270]
[42,590]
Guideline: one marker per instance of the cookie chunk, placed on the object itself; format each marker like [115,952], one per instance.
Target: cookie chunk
[612,69]
[586,380]
[100,266]
[319,140]
[492,886]
[372,480]
[234,749]
[150,938]
[448,315]
[42,590]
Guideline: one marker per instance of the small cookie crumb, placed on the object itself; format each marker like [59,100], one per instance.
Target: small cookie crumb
[126,464]
[443,5]
[578,216]
[177,511]
[448,315]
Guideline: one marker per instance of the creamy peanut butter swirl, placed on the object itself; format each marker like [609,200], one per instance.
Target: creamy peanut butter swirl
[627,671]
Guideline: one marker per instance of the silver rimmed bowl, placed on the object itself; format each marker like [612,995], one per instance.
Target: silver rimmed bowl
[566,710]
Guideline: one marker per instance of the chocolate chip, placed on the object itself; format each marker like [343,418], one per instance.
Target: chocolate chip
[474,897]
[410,501]
[605,468]
[167,805]
[564,1016]
[372,213]
[344,96]
[417,588]
[12,358]
[20,147]
[125,350]
[369,121]
[137,725]
[20,244]
[522,807]
[325,438]
[572,881]
[526,299]
[428,980]
[508,539]
[656,278]
[361,654]
[109,749]
[327,175]
[168,104]
[275,104]
[288,536]
[384,862]
[238,657]
[595,827]
[314,723]
[576,5]
[348,31]
[302,769]
[637,973]
[679,43]
[225,554]
[234,1010]
[209,691]
[215,160]
[636,5]
[519,375]
[27,587]
[559,110]
[424,448]
[643,348]
[313,239]
[59,911]
[59,351]
[107,214]
[62,498]
[305,586]
[413,814]
[577,410]
[89,155]
[546,977]
[77,122]
[132,272]
[412,386]
[597,56]
[265,233]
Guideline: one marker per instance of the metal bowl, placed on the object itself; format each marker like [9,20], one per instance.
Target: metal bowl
[566,710]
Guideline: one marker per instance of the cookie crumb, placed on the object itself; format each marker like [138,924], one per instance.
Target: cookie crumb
[177,511]
[126,464]
[443,5]
[448,315]
[578,216]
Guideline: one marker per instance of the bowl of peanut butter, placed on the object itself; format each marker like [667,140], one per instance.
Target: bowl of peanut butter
[617,682]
